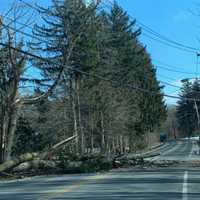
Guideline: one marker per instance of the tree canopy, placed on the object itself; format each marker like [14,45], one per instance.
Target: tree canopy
[106,88]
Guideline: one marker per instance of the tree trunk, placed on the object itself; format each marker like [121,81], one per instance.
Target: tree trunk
[92,132]
[113,145]
[30,156]
[56,147]
[82,138]
[2,137]
[12,123]
[75,115]
[131,143]
[127,147]
[102,133]
[1,146]
[121,144]
[108,141]
[12,163]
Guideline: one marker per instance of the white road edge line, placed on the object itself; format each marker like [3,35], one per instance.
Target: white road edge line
[185,186]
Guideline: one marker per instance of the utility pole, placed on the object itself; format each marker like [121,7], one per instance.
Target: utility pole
[195,102]
[197,112]
[197,64]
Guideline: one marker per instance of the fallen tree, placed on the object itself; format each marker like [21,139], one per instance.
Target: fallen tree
[29,160]
[35,165]
[39,163]
[56,147]
[133,159]
[14,162]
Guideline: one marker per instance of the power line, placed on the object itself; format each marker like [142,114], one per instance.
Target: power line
[23,24]
[84,72]
[166,77]
[39,39]
[167,44]
[173,70]
[168,65]
[155,93]
[151,31]
[17,22]
[162,39]
[146,28]
[176,86]
[22,32]
[169,84]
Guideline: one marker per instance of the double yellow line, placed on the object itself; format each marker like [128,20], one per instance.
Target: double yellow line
[58,192]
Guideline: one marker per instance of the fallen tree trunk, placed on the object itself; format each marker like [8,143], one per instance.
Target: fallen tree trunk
[56,147]
[150,155]
[35,164]
[138,156]
[34,156]
[14,162]
[132,160]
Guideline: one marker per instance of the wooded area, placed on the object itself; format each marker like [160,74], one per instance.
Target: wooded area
[90,79]
[188,121]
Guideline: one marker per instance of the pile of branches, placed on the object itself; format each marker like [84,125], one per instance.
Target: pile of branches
[31,164]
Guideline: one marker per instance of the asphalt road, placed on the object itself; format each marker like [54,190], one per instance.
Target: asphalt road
[177,183]
[179,150]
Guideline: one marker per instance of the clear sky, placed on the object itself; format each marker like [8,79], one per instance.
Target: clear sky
[174,19]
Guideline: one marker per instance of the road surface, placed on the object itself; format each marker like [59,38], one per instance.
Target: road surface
[177,183]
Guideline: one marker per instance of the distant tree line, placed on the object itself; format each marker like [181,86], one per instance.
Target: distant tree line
[97,57]
[188,108]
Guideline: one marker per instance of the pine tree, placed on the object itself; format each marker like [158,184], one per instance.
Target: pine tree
[105,112]
[132,65]
[186,113]
[25,138]
[68,41]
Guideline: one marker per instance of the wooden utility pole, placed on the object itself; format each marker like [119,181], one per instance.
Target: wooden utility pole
[195,103]
[197,64]
[197,112]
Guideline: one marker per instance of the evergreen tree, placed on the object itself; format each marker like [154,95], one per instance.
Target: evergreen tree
[103,110]
[188,108]
[25,138]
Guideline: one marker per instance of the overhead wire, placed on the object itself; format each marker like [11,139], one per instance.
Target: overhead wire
[151,31]
[39,39]
[128,86]
[39,57]
[173,70]
[167,44]
[169,65]
[166,77]
[161,38]
[169,84]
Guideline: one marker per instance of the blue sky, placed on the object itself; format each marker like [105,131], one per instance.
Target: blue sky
[171,18]
[174,19]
